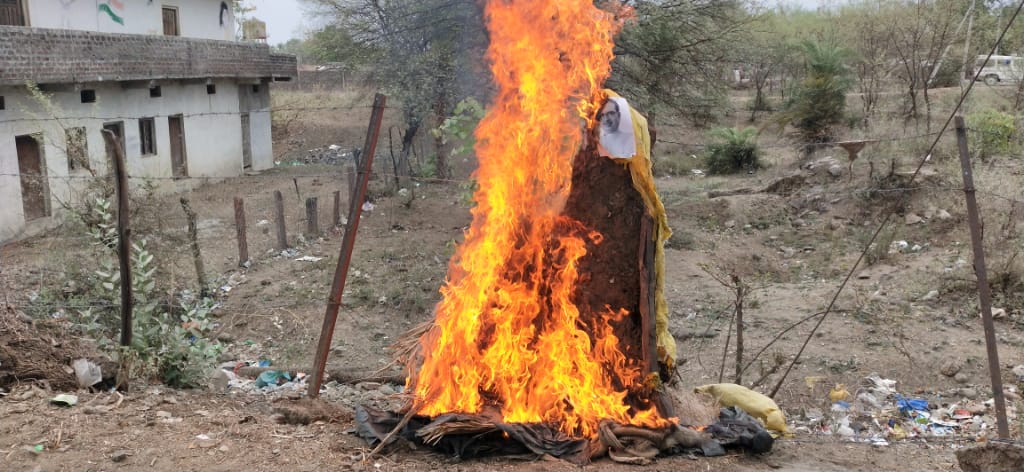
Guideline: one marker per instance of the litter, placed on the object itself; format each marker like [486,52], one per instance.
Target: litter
[309,259]
[87,373]
[65,400]
[754,403]
[272,377]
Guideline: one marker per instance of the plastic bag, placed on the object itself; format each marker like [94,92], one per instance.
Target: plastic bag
[756,404]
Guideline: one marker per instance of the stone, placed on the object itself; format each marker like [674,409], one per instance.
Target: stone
[913,219]
[951,367]
[218,381]
[976,408]
[961,378]
[929,213]
[991,457]
[1019,372]
[932,295]
[943,215]
[968,393]
[120,456]
[730,224]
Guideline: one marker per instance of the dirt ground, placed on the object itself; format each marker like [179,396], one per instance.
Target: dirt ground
[793,249]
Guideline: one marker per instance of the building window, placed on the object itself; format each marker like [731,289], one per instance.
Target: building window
[88,96]
[2,106]
[147,136]
[171,22]
[155,92]
[211,89]
[255,89]
[77,149]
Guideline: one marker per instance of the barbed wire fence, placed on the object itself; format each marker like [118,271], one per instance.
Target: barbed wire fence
[303,223]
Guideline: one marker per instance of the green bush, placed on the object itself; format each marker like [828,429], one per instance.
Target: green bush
[991,133]
[818,102]
[172,343]
[732,150]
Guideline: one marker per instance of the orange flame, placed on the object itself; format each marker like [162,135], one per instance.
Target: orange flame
[507,333]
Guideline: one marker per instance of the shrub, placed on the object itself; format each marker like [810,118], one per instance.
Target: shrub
[172,343]
[991,133]
[732,150]
[817,104]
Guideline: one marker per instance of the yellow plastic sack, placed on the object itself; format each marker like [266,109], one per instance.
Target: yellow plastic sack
[755,404]
[643,181]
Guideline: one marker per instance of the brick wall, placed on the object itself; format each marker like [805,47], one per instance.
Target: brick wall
[48,56]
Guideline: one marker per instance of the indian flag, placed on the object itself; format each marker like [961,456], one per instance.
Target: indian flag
[110,7]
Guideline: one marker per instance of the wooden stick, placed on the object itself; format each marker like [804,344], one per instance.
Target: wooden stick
[984,293]
[243,246]
[350,177]
[197,256]
[738,285]
[123,234]
[336,220]
[282,237]
[347,246]
[312,218]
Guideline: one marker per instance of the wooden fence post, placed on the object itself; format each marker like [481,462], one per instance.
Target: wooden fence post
[282,237]
[123,235]
[984,292]
[350,175]
[336,220]
[197,256]
[243,246]
[312,217]
[347,246]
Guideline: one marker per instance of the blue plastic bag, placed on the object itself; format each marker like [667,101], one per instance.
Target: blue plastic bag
[908,405]
[272,377]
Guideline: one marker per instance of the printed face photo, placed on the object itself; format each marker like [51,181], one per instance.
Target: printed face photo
[610,116]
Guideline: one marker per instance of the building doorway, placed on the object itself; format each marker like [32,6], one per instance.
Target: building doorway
[179,162]
[35,188]
[12,13]
[246,142]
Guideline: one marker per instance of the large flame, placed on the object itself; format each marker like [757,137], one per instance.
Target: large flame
[507,332]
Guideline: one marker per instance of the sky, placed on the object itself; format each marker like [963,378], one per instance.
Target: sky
[285,18]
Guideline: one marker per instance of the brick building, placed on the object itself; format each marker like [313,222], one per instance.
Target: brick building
[168,76]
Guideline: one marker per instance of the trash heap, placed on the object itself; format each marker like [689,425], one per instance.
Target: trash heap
[260,377]
[330,155]
[877,413]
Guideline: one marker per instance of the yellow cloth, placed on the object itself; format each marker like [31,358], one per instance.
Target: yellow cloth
[643,180]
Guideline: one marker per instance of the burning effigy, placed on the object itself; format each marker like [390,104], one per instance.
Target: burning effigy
[551,336]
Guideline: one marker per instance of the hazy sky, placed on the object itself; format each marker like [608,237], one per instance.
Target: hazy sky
[286,18]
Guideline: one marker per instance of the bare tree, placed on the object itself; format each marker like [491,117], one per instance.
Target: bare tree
[920,32]
[420,51]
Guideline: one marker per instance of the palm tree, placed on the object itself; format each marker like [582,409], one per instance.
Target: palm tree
[818,102]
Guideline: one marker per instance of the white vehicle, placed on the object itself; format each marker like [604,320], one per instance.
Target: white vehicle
[1000,69]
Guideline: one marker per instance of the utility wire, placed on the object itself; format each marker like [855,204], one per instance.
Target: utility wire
[892,211]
